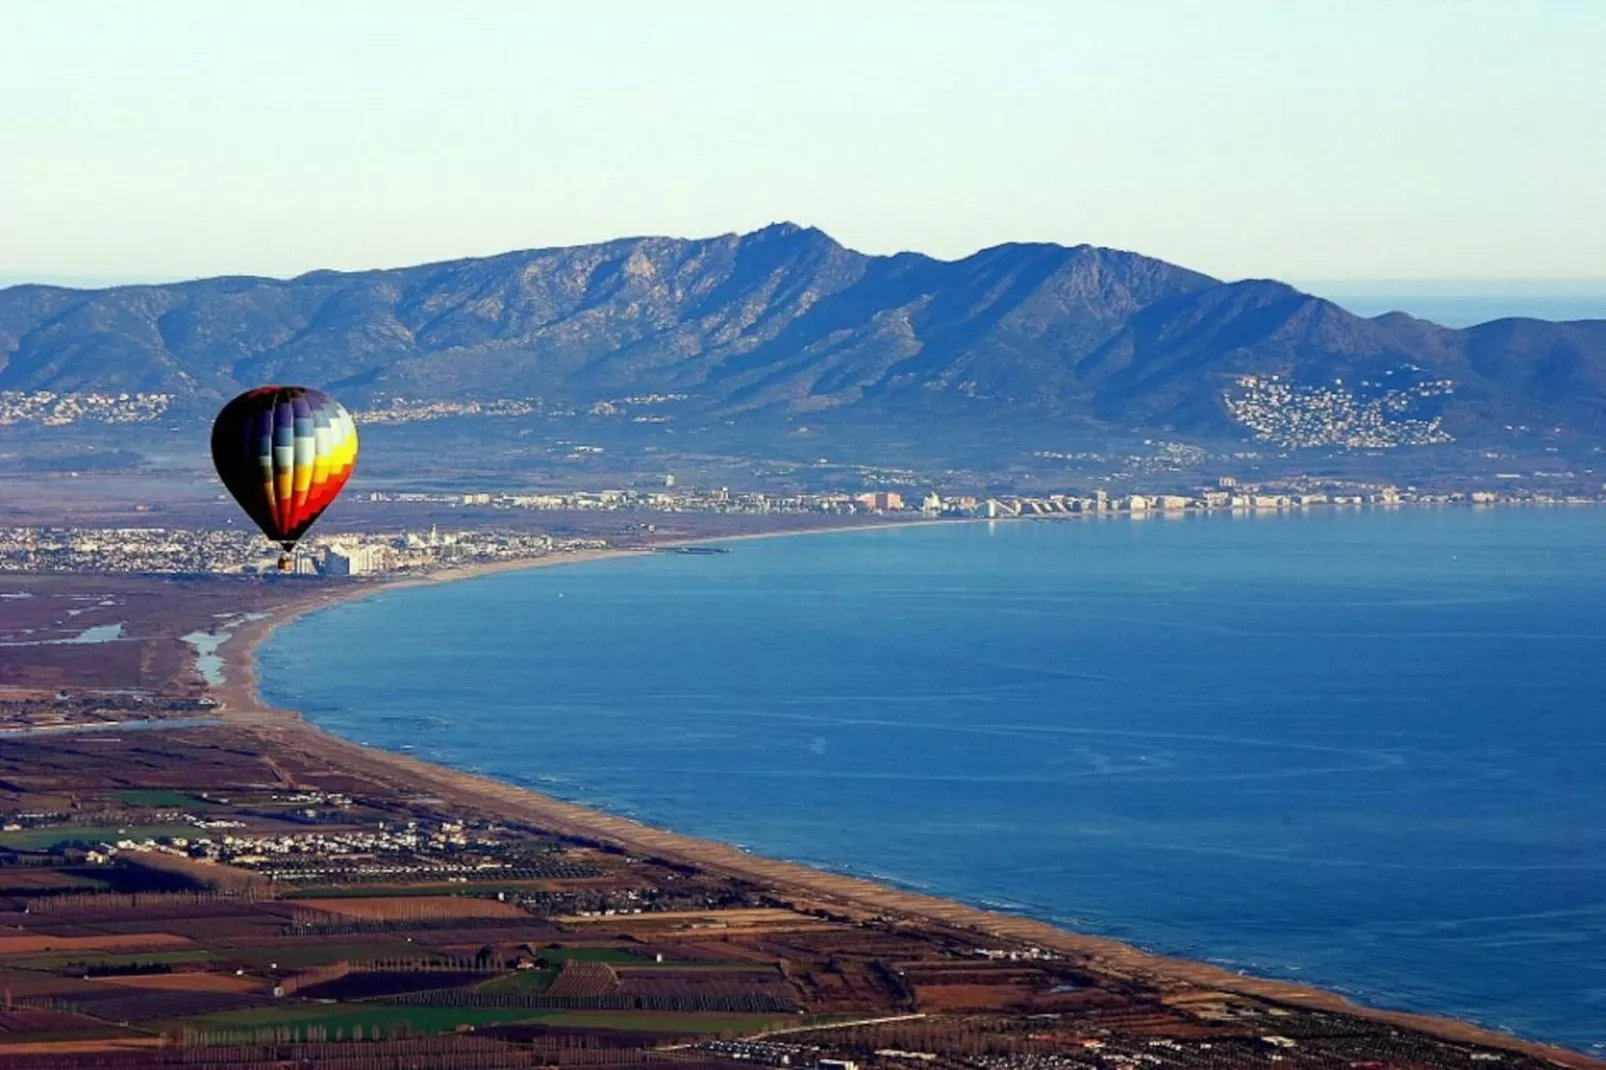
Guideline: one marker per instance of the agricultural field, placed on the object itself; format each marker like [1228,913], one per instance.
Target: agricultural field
[178,941]
[161,798]
[401,907]
[34,943]
[669,1024]
[84,962]
[295,911]
[44,838]
[41,880]
[337,1018]
[624,956]
[528,982]
[425,889]
[297,955]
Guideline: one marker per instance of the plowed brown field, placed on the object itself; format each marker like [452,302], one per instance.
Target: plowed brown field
[185,982]
[18,945]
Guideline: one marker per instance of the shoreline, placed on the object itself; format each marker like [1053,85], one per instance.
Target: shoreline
[243,706]
[240,687]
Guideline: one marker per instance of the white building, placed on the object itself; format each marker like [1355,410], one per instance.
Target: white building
[354,560]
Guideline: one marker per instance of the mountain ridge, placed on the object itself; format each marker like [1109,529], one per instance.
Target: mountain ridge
[784,322]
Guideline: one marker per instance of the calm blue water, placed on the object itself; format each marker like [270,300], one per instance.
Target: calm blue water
[1467,310]
[1361,749]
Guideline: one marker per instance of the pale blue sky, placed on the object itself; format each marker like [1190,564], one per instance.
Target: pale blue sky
[1303,139]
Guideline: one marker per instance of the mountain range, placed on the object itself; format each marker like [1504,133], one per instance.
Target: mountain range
[785,324]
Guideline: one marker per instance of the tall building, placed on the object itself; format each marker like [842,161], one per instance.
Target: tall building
[882,500]
[354,560]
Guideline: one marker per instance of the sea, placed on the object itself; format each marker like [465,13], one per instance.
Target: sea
[1363,748]
[1466,303]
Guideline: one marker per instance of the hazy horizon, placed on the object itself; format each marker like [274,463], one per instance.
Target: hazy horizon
[1322,139]
[1352,284]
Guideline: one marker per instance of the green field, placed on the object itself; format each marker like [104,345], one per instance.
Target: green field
[333,1016]
[40,839]
[697,966]
[429,1020]
[524,983]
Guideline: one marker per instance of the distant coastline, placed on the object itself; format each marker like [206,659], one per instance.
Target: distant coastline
[242,702]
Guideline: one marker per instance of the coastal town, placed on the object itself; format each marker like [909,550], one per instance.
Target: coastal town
[52,409]
[493,539]
[249,893]
[1225,495]
[237,552]
[1372,415]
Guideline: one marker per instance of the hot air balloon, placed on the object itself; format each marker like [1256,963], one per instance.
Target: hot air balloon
[284,452]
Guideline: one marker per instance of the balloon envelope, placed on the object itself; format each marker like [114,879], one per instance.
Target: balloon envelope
[284,452]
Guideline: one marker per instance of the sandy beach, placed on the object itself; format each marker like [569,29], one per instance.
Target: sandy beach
[807,887]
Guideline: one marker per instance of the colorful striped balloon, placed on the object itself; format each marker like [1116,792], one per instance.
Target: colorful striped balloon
[284,452]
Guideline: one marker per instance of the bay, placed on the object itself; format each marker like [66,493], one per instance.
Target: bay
[1358,748]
